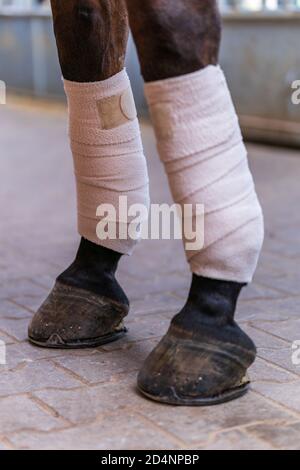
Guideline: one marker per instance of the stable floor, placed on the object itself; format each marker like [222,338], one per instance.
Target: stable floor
[87,399]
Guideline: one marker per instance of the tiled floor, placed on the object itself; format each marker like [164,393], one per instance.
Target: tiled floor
[87,399]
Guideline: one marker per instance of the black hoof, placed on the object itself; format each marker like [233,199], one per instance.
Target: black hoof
[173,399]
[56,342]
[72,318]
[197,369]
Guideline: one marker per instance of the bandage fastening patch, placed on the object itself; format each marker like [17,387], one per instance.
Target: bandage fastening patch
[117,110]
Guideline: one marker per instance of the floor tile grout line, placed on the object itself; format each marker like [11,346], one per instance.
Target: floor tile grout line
[13,338]
[277,366]
[46,408]
[274,299]
[251,433]
[69,372]
[240,427]
[276,289]
[70,389]
[96,421]
[271,334]
[45,389]
[248,432]
[168,434]
[280,406]
[274,364]
[19,304]
[36,283]
[13,302]
[281,254]
[7,443]
[266,298]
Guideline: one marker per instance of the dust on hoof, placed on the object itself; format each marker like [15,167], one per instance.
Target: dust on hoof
[195,369]
[75,318]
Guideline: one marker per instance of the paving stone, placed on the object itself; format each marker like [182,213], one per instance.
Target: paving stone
[26,415]
[153,304]
[136,289]
[150,326]
[31,303]
[34,376]
[2,446]
[104,365]
[288,396]
[282,437]
[289,284]
[18,354]
[120,432]
[269,310]
[247,311]
[235,440]
[265,270]
[46,281]
[276,264]
[288,330]
[289,307]
[119,394]
[282,247]
[16,328]
[6,338]
[263,371]
[289,234]
[83,386]
[281,357]
[9,309]
[264,340]
[20,287]
[255,291]
[196,424]
[152,266]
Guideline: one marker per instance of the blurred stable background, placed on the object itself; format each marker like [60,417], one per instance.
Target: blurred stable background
[260,56]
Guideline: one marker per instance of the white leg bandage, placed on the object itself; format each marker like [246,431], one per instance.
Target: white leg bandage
[201,146]
[108,154]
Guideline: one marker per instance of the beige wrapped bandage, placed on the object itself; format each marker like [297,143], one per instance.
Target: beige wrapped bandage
[108,155]
[201,146]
